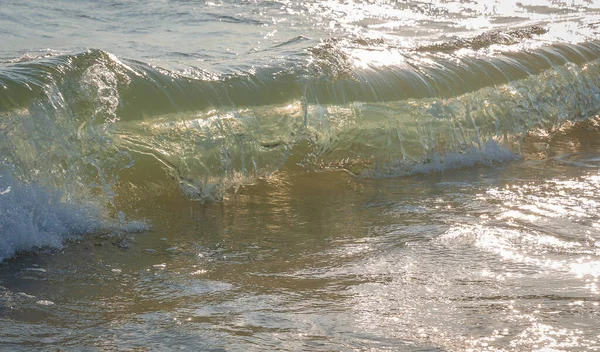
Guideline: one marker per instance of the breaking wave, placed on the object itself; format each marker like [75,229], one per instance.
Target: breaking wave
[71,124]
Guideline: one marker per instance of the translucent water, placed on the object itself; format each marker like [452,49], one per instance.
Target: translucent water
[323,175]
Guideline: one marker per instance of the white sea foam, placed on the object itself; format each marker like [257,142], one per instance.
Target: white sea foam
[488,154]
[32,217]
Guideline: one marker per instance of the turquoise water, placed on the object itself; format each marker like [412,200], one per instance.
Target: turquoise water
[326,175]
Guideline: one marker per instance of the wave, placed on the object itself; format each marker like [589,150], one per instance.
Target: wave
[334,72]
[485,40]
[71,125]
[75,122]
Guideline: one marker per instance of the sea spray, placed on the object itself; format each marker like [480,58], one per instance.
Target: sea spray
[33,217]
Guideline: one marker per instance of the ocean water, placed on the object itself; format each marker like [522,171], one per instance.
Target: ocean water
[299,175]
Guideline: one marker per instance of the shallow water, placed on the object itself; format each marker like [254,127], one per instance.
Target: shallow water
[280,175]
[501,257]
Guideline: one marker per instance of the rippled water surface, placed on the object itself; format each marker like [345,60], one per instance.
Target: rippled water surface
[486,258]
[299,175]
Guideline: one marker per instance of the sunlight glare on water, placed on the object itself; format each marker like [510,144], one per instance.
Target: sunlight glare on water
[300,175]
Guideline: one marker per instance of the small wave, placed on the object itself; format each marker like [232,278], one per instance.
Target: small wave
[237,19]
[294,40]
[30,56]
[485,40]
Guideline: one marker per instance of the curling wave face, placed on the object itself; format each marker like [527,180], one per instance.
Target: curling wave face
[75,122]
